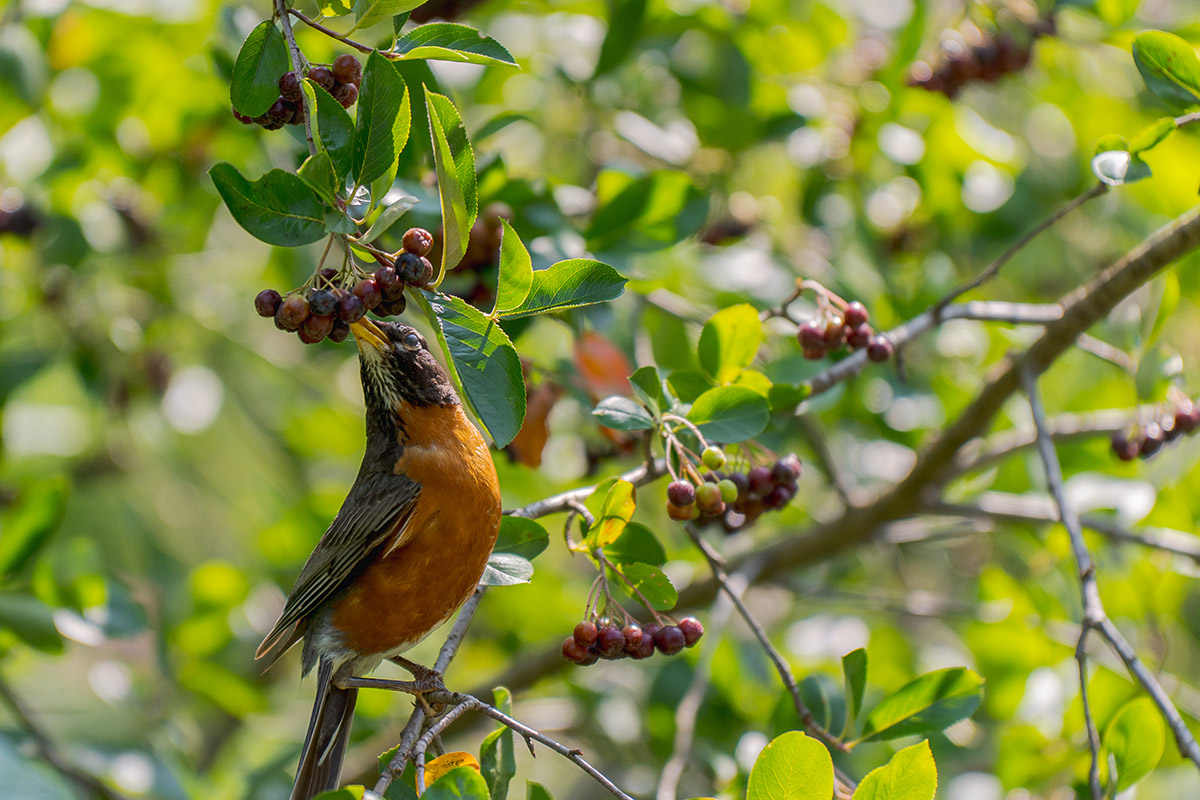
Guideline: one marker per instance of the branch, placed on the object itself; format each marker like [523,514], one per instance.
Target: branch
[312,23]
[565,501]
[298,63]
[1094,616]
[978,454]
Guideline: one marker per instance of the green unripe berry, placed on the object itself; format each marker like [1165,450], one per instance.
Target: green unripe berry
[713,457]
[729,490]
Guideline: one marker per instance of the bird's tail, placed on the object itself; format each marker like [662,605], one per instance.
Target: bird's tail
[328,731]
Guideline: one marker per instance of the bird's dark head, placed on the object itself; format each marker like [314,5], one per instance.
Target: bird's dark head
[397,367]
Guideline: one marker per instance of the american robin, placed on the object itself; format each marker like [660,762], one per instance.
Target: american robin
[407,548]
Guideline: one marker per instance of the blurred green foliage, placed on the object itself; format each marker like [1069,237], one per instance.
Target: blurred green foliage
[168,459]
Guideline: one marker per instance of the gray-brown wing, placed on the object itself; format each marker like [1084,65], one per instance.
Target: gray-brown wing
[373,514]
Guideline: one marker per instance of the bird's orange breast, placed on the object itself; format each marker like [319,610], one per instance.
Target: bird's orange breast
[443,547]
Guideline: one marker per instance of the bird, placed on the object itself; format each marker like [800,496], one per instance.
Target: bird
[407,548]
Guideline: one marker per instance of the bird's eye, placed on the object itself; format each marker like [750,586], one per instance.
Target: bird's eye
[412,341]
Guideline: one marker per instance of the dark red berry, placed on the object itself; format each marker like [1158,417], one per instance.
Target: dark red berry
[346,94]
[811,337]
[778,497]
[367,290]
[585,633]
[855,315]
[292,312]
[340,331]
[1152,440]
[681,493]
[350,308]
[761,481]
[391,308]
[610,642]
[669,640]
[1123,447]
[389,283]
[289,86]
[814,353]
[267,302]
[242,118]
[835,334]
[410,269]
[1169,429]
[859,337]
[1186,419]
[573,651]
[323,77]
[880,349]
[315,328]
[347,69]
[645,647]
[327,276]
[633,637]
[741,481]
[692,630]
[591,657]
[786,469]
[427,271]
[280,111]
[322,303]
[680,513]
[418,241]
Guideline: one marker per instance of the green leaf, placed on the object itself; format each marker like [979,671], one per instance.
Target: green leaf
[333,130]
[927,704]
[792,767]
[615,512]
[483,363]
[1169,66]
[449,41]
[345,793]
[404,786]
[729,342]
[24,777]
[1136,739]
[535,791]
[506,569]
[461,783]
[337,221]
[260,62]
[520,536]
[516,271]
[569,284]
[31,620]
[390,216]
[622,414]
[911,774]
[317,173]
[854,675]
[497,754]
[1108,142]
[625,18]
[454,162]
[652,582]
[1152,135]
[785,397]
[688,384]
[647,385]
[730,414]
[278,208]
[636,544]
[384,116]
[659,209]
[1156,371]
[1167,304]
[30,522]
[372,12]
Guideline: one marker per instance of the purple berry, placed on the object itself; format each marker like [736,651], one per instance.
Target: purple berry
[670,640]
[681,493]
[267,302]
[692,630]
[855,314]
[879,349]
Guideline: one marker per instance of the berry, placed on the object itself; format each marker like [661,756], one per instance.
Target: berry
[322,302]
[633,637]
[591,658]
[670,640]
[367,290]
[323,77]
[713,457]
[1170,431]
[880,349]
[814,353]
[418,241]
[292,312]
[855,314]
[327,274]
[778,497]
[427,271]
[242,118]
[315,328]
[585,633]
[340,331]
[761,481]
[680,513]
[610,642]
[267,302]
[389,283]
[347,69]
[811,337]
[1125,448]
[1186,420]
[346,94]
[835,334]
[786,469]
[1152,440]
[741,482]
[859,337]
[708,499]
[692,630]
[645,647]
[350,308]
[391,308]
[573,651]
[729,490]
[281,111]
[681,493]
[289,86]
[410,269]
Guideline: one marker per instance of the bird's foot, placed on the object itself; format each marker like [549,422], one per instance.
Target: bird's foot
[429,679]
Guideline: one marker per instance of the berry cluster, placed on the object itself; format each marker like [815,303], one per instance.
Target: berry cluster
[337,299]
[830,330]
[591,641]
[341,79]
[1146,440]
[988,60]
[734,498]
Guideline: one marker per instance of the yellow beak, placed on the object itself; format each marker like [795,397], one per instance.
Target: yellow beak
[367,331]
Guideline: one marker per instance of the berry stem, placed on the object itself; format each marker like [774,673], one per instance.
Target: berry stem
[299,64]
[599,555]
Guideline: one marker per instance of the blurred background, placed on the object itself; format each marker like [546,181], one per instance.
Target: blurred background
[168,459]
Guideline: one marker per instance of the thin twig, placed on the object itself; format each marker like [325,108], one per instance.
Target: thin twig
[312,23]
[298,64]
[994,268]
[1094,616]
[564,501]
[1106,352]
